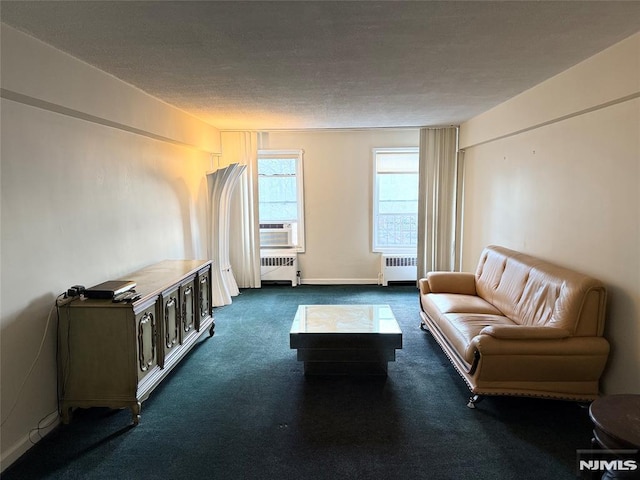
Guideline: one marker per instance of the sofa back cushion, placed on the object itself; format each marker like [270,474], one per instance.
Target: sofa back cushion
[533,292]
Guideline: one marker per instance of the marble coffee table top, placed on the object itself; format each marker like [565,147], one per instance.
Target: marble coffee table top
[376,319]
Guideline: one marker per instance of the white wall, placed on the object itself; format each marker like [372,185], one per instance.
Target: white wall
[97,179]
[338,186]
[555,172]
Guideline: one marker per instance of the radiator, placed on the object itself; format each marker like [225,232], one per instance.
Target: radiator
[395,268]
[279,266]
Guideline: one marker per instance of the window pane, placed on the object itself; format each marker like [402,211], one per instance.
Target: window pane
[397,230]
[397,162]
[277,189]
[278,199]
[278,212]
[396,199]
[280,196]
[398,193]
[277,166]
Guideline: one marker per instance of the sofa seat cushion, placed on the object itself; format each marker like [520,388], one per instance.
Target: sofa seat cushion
[461,328]
[457,303]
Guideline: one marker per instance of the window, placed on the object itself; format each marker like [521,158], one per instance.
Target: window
[395,200]
[280,199]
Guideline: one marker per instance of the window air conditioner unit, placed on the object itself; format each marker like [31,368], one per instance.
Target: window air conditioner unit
[276,235]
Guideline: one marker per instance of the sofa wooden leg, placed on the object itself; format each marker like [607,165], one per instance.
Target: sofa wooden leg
[473,400]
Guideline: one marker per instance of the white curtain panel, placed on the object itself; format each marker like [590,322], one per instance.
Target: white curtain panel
[221,184]
[244,237]
[438,200]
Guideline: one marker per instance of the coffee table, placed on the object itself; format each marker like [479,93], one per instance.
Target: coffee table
[345,339]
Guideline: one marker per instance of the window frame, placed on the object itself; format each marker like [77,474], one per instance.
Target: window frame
[298,156]
[375,247]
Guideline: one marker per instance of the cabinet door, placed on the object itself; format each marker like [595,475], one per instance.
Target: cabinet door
[204,297]
[170,321]
[146,339]
[188,298]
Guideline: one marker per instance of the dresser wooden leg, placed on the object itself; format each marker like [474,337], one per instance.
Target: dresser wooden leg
[135,413]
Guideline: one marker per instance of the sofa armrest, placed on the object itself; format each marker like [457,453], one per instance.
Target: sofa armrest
[486,345]
[451,282]
[522,332]
[423,285]
[515,332]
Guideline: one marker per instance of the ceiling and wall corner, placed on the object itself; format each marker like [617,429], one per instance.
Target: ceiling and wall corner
[316,65]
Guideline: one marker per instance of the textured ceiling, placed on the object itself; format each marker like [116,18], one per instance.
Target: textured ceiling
[349,64]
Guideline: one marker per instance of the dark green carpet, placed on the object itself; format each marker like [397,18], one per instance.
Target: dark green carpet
[239,407]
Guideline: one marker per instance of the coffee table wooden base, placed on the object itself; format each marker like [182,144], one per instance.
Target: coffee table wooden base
[320,357]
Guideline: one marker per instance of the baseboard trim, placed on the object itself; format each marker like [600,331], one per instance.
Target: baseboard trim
[22,446]
[339,281]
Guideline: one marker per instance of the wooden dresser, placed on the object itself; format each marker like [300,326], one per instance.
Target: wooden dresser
[114,354]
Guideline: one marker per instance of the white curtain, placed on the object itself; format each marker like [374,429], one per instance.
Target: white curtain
[439,192]
[221,183]
[244,240]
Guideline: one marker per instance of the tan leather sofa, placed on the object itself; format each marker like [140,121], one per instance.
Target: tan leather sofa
[519,326]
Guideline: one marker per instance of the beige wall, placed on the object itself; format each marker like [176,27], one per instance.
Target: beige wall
[338,187]
[555,172]
[97,180]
